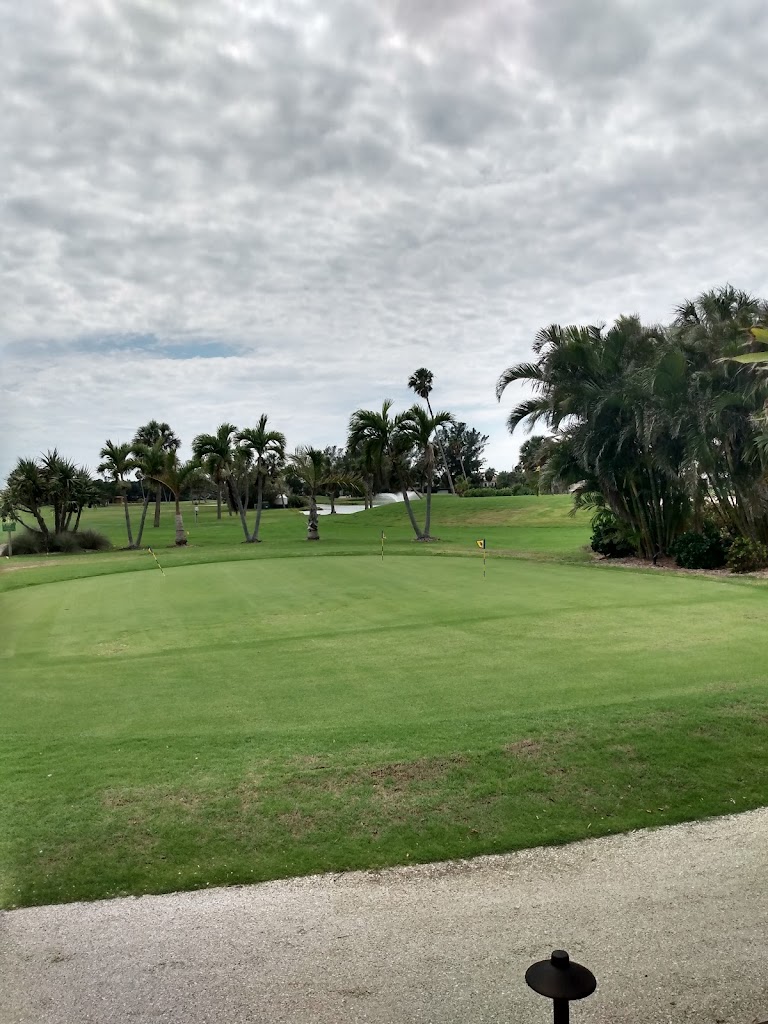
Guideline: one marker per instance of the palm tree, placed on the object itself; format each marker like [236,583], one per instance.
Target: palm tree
[150,434]
[622,396]
[418,429]
[117,462]
[150,460]
[421,383]
[382,444]
[268,448]
[338,475]
[309,465]
[26,490]
[177,476]
[370,438]
[61,479]
[84,492]
[214,452]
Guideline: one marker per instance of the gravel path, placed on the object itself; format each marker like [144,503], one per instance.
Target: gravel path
[674,923]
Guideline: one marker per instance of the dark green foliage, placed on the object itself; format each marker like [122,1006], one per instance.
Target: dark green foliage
[747,555]
[701,549]
[464,447]
[64,543]
[497,492]
[610,536]
[297,501]
[92,540]
[27,543]
[488,492]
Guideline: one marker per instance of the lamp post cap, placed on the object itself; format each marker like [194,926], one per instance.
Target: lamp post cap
[560,978]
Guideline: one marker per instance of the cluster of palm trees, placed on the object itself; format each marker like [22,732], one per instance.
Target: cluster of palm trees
[665,426]
[52,482]
[382,448]
[384,451]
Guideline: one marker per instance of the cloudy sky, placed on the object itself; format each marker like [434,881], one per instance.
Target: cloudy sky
[218,209]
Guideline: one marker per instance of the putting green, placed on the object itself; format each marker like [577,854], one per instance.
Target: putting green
[241,720]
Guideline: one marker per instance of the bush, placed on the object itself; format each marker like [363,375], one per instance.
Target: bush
[64,543]
[27,543]
[488,492]
[497,492]
[747,555]
[611,537]
[67,543]
[92,540]
[297,501]
[700,549]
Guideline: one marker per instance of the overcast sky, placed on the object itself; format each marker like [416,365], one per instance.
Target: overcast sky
[218,209]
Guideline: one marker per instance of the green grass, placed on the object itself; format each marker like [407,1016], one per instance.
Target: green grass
[257,714]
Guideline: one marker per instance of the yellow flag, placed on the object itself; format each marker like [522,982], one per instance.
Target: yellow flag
[480,543]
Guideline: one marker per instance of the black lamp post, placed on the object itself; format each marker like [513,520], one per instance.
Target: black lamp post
[561,981]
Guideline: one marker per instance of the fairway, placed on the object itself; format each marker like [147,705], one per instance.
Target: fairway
[258,718]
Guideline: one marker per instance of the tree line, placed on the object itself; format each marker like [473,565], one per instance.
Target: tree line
[245,467]
[661,429]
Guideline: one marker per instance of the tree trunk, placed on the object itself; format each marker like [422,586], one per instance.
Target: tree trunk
[333,503]
[128,522]
[451,488]
[143,518]
[428,516]
[259,502]
[77,521]
[233,498]
[218,500]
[313,532]
[411,516]
[181,537]
[158,498]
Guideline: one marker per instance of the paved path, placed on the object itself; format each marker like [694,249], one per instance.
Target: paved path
[673,922]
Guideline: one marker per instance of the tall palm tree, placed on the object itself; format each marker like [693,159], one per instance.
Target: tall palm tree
[214,452]
[177,477]
[370,437]
[150,460]
[419,430]
[382,443]
[153,433]
[117,462]
[310,466]
[421,383]
[268,448]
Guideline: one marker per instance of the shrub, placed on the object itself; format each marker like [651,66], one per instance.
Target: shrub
[27,543]
[747,555]
[297,501]
[65,543]
[700,549]
[92,540]
[611,537]
[488,492]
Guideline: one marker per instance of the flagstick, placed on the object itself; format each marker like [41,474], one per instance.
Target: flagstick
[483,563]
[382,545]
[156,561]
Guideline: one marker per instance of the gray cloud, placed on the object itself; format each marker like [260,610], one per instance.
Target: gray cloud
[335,194]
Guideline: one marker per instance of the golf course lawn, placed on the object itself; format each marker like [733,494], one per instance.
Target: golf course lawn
[264,716]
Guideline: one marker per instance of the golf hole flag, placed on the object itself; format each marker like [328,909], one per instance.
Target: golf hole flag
[481,544]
